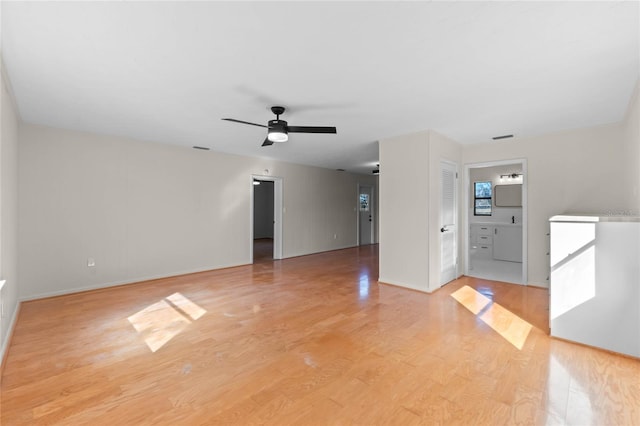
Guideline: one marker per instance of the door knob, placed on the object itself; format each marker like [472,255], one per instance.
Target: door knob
[443,229]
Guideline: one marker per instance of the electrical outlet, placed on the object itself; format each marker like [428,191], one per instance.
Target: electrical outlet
[335,236]
[91,262]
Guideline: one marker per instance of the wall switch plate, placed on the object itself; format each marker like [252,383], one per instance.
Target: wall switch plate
[91,262]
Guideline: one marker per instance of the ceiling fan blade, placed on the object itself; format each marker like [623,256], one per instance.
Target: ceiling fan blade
[267,142]
[243,122]
[311,129]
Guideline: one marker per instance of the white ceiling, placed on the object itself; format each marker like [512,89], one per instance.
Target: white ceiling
[169,71]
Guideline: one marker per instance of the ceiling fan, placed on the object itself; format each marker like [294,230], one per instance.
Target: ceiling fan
[279,129]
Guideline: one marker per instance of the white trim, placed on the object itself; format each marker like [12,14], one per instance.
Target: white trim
[278,213]
[126,282]
[383,281]
[525,210]
[7,337]
[299,254]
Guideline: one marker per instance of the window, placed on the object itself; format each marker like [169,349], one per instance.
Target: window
[364,202]
[482,198]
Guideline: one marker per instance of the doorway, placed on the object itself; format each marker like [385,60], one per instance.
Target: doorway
[496,220]
[365,215]
[266,219]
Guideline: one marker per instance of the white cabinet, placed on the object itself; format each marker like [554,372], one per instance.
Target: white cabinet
[507,243]
[482,229]
[595,281]
[497,241]
[482,241]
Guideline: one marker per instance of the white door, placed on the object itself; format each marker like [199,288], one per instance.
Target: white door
[448,222]
[365,219]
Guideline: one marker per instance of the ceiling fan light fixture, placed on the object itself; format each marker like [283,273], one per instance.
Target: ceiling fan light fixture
[277,131]
[276,136]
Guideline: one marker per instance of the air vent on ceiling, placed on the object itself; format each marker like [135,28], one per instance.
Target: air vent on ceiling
[495,138]
[204,148]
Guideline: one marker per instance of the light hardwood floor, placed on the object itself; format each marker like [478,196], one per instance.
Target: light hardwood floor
[312,340]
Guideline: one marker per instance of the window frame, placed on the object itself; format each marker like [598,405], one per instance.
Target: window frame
[476,198]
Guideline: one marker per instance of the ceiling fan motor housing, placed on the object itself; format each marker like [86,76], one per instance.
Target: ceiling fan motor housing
[277,126]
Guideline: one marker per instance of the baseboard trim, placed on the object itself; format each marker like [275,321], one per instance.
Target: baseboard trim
[121,283]
[292,255]
[538,286]
[7,341]
[405,286]
[596,347]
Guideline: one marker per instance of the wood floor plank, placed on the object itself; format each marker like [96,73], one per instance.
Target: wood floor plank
[311,340]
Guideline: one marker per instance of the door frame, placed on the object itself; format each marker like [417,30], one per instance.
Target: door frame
[372,201]
[525,210]
[277,214]
[456,215]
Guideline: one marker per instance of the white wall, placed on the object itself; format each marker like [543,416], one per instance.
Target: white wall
[410,208]
[263,210]
[8,211]
[577,171]
[144,210]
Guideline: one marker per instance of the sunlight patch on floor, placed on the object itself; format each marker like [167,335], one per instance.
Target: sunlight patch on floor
[471,299]
[510,326]
[160,322]
[187,306]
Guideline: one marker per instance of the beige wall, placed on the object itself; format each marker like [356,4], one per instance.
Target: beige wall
[8,211]
[631,139]
[404,211]
[145,210]
[410,208]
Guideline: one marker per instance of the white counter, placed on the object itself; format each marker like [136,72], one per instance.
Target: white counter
[588,218]
[595,281]
[496,223]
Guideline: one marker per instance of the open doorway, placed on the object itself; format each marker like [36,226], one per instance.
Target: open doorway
[262,220]
[365,215]
[496,219]
[266,219]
